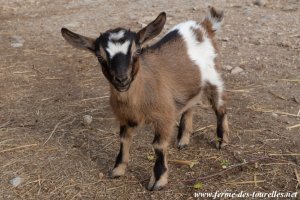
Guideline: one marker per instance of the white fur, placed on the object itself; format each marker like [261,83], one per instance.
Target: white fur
[202,54]
[114,48]
[116,36]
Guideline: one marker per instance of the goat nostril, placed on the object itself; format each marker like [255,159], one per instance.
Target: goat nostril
[121,79]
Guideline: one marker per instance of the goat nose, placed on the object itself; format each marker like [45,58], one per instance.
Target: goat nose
[121,79]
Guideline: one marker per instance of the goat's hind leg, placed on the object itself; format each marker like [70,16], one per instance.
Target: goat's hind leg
[122,159]
[160,172]
[216,97]
[185,129]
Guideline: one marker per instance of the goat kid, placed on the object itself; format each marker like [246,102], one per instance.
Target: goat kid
[155,84]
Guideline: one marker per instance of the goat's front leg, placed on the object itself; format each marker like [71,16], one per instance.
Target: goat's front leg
[160,172]
[126,132]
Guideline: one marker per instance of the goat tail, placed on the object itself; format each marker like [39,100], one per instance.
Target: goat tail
[214,20]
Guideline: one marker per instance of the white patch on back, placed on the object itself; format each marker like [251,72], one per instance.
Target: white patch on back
[202,54]
[116,36]
[114,48]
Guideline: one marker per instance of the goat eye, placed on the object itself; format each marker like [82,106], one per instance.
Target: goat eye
[138,50]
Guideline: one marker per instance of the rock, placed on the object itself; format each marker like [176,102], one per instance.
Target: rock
[16,181]
[227,67]
[260,2]
[225,39]
[17,41]
[87,119]
[101,175]
[237,70]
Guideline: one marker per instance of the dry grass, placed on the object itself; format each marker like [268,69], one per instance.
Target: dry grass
[47,87]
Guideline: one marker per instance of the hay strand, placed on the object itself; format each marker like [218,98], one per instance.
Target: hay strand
[277,95]
[290,80]
[94,98]
[52,132]
[190,163]
[256,109]
[294,126]
[203,128]
[284,154]
[19,147]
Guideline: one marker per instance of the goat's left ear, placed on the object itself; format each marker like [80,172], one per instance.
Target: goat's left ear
[152,29]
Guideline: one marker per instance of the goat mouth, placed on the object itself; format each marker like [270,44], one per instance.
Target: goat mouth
[122,88]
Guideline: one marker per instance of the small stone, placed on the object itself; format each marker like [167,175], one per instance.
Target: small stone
[274,114]
[225,39]
[227,67]
[142,24]
[236,70]
[16,181]
[17,41]
[87,119]
[101,175]
[260,2]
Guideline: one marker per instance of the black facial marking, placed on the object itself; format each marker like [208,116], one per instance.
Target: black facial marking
[120,62]
[132,123]
[159,167]
[181,128]
[118,69]
[119,157]
[167,38]
[123,130]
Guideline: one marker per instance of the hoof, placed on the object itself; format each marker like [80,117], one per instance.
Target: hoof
[159,184]
[221,145]
[183,142]
[118,171]
[181,146]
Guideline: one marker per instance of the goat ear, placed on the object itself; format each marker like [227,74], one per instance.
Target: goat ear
[152,29]
[78,41]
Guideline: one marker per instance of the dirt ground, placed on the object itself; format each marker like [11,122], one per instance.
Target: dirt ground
[46,87]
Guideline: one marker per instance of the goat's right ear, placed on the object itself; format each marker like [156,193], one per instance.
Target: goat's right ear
[79,41]
[152,29]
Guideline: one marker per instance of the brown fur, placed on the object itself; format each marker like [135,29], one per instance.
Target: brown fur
[153,94]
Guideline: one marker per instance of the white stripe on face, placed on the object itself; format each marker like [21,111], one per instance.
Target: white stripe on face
[116,36]
[114,48]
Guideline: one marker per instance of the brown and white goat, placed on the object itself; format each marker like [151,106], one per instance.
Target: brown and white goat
[157,83]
